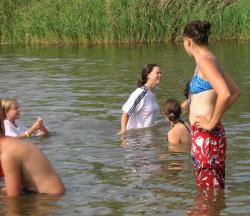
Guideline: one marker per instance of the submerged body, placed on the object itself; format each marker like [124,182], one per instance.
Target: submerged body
[141,109]
[14,127]
[178,136]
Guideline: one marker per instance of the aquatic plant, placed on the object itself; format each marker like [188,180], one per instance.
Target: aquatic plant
[84,22]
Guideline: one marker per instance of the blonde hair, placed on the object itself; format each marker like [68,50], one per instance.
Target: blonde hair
[7,104]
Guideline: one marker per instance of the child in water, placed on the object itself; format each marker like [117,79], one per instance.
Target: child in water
[14,127]
[179,132]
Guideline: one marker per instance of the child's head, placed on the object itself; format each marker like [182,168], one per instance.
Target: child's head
[10,108]
[172,110]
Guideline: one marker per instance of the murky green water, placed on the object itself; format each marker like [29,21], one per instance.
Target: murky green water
[79,93]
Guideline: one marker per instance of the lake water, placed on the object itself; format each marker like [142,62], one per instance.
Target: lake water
[79,93]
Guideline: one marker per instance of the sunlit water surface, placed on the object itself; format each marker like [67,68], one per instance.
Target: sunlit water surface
[79,93]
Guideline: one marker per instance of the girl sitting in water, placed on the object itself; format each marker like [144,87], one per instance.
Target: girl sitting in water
[14,127]
[179,132]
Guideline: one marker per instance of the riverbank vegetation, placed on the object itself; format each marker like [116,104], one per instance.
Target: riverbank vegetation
[83,22]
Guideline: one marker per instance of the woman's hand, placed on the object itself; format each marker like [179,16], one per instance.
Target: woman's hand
[37,125]
[203,122]
[121,132]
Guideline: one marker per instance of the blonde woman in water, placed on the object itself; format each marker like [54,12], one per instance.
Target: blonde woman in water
[14,127]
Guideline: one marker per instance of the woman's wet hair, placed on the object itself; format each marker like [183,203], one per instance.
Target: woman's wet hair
[7,104]
[198,31]
[144,74]
[172,110]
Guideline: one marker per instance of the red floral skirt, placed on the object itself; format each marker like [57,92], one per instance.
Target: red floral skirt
[209,154]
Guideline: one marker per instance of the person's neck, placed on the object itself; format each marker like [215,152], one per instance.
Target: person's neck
[201,52]
[149,86]
[173,123]
[11,120]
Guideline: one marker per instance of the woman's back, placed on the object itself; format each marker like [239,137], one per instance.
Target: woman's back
[179,134]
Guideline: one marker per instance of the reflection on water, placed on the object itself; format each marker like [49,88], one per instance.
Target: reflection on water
[150,166]
[79,93]
[209,202]
[39,205]
[141,152]
[183,147]
[147,158]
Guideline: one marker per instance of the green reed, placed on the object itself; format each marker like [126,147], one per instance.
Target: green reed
[83,22]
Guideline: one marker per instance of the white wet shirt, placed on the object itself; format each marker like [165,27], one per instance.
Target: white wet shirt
[14,130]
[142,108]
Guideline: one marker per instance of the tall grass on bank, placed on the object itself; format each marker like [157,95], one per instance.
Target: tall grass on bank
[117,21]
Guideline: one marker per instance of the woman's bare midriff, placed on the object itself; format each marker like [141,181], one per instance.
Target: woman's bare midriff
[202,104]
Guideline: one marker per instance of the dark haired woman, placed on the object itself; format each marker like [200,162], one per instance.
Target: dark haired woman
[212,92]
[179,132]
[141,109]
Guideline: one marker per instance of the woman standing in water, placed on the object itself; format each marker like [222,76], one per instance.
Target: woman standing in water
[141,109]
[212,92]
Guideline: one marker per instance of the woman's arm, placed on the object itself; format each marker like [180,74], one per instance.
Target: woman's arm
[210,72]
[23,135]
[12,178]
[185,106]
[124,121]
[37,125]
[234,89]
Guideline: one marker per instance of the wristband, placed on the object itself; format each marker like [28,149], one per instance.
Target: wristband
[27,134]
